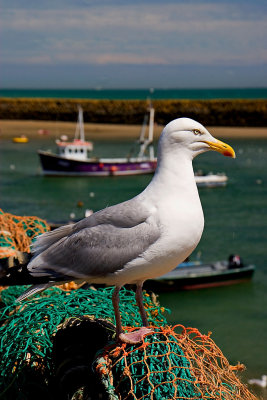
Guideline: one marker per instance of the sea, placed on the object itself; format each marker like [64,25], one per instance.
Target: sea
[235,223]
[139,94]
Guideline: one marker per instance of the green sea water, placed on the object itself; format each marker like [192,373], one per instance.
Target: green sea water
[139,94]
[235,222]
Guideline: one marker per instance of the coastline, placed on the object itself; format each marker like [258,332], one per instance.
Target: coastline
[97,131]
[215,112]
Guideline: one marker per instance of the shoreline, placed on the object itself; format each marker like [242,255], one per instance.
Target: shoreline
[97,131]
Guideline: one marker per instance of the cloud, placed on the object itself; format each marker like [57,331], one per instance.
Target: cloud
[138,32]
[160,17]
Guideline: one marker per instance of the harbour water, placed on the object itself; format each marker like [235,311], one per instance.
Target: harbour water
[235,222]
[139,94]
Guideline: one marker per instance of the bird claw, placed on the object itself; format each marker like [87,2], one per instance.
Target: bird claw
[135,336]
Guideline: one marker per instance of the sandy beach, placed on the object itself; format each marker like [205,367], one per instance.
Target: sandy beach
[11,128]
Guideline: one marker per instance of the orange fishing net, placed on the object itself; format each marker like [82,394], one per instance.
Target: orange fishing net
[17,233]
[171,363]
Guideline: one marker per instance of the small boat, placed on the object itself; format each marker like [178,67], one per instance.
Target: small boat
[20,139]
[72,158]
[197,275]
[211,180]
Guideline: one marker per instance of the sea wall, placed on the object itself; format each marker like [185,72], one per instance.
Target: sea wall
[208,112]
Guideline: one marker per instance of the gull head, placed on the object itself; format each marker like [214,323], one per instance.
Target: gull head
[192,138]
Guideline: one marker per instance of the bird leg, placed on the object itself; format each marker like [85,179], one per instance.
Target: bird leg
[115,302]
[137,336]
[140,303]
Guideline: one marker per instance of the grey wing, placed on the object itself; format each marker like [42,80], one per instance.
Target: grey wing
[120,215]
[125,215]
[97,250]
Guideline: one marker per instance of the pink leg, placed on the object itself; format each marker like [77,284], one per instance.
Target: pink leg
[137,336]
[115,302]
[140,303]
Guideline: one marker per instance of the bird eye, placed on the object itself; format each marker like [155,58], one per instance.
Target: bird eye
[197,132]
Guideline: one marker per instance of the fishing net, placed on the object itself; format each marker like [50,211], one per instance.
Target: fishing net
[171,363]
[17,233]
[28,329]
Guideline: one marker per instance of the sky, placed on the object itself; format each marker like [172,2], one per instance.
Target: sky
[133,44]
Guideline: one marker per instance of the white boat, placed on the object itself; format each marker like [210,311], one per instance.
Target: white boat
[211,180]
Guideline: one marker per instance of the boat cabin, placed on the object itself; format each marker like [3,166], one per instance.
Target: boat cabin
[78,149]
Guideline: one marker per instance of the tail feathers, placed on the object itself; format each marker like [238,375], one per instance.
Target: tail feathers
[33,290]
[20,275]
[45,240]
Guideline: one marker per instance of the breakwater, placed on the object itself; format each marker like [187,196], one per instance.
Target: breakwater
[228,112]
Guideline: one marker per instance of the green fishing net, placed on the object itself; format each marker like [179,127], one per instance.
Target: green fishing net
[27,328]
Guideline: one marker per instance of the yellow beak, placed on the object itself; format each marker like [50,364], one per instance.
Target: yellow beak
[221,147]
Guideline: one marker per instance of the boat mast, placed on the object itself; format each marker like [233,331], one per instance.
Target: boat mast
[143,130]
[151,132]
[147,142]
[79,132]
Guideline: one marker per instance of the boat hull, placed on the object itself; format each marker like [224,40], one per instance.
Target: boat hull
[198,277]
[53,164]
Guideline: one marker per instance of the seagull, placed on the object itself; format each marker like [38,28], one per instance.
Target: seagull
[139,239]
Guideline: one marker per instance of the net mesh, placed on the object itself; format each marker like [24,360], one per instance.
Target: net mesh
[171,363]
[27,329]
[17,233]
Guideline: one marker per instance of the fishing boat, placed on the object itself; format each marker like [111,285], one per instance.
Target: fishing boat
[78,149]
[72,159]
[197,275]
